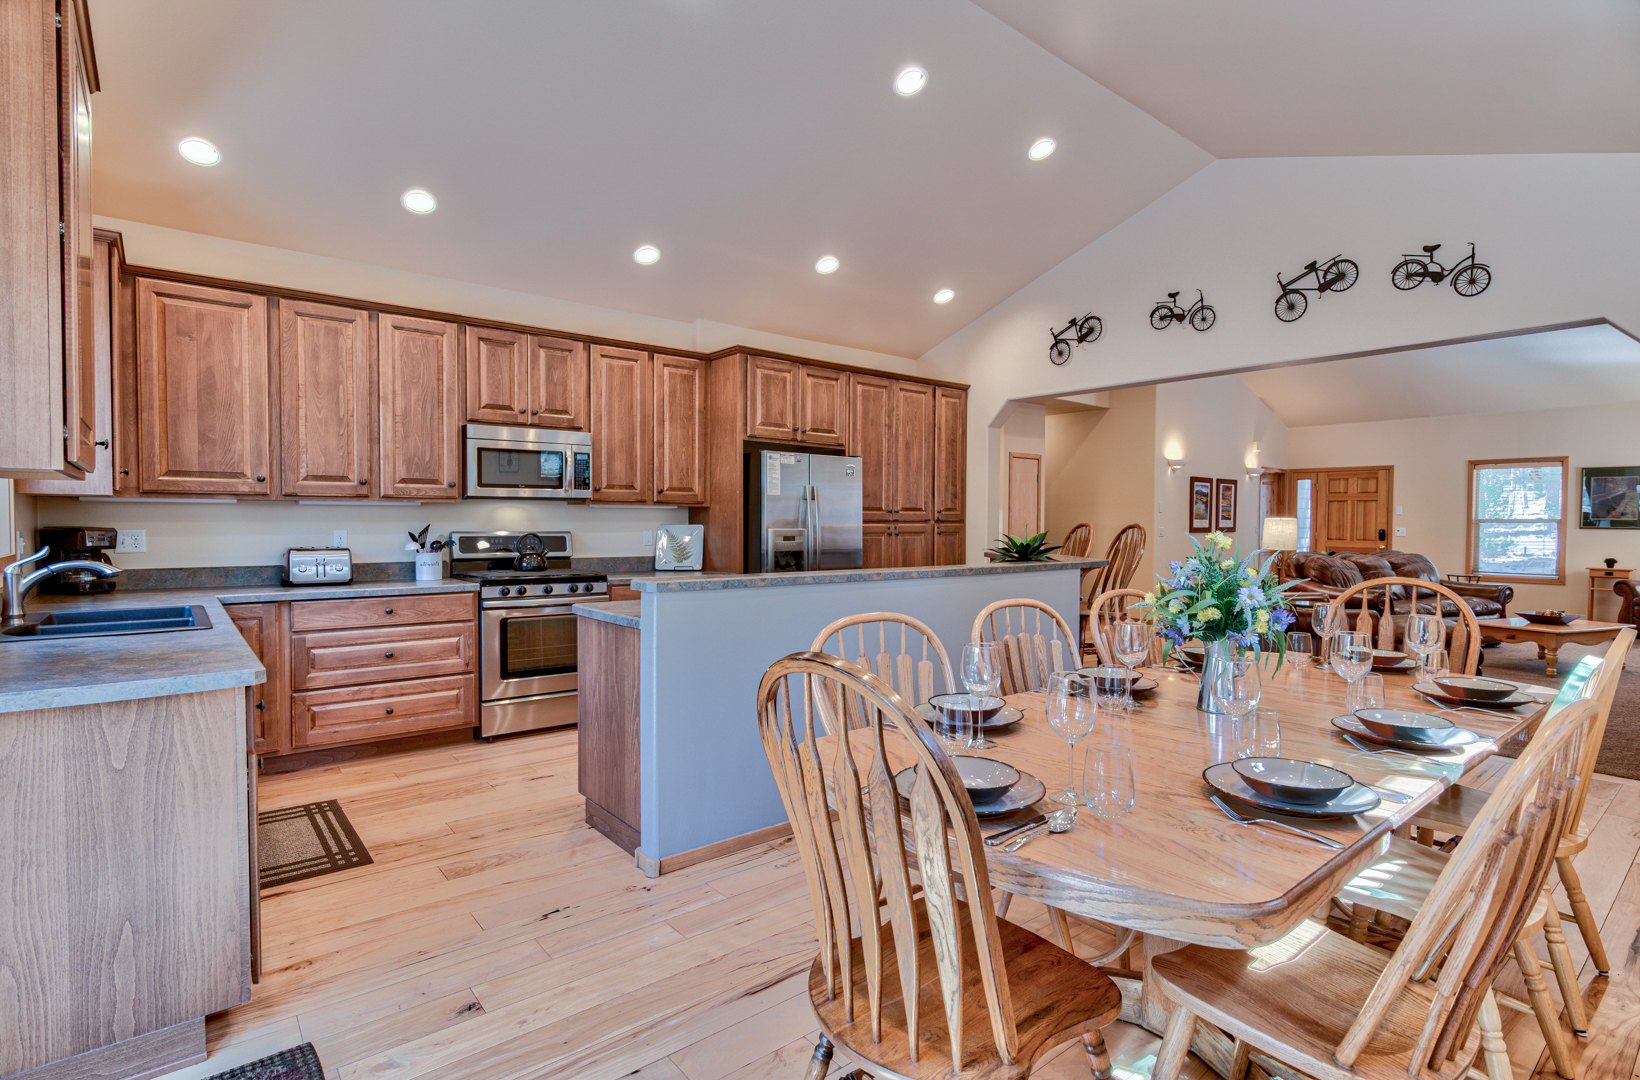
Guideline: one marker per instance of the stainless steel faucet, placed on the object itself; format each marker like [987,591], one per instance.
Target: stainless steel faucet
[19,584]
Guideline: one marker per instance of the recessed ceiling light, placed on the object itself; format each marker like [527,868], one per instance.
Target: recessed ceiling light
[909,81]
[944,296]
[646,254]
[418,201]
[199,151]
[827,264]
[1041,149]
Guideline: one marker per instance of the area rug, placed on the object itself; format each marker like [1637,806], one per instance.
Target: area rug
[301,842]
[1620,750]
[297,1063]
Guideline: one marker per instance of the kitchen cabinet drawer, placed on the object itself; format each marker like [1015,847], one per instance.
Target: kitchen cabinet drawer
[379,611]
[350,657]
[622,592]
[359,713]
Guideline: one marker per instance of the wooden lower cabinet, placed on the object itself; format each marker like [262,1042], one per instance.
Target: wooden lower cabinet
[384,710]
[607,741]
[950,544]
[888,544]
[268,705]
[350,657]
[876,545]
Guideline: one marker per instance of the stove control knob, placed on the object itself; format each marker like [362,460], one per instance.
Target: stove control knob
[520,591]
[505,591]
[575,588]
[546,588]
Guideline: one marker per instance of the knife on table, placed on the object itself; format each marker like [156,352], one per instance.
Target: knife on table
[1002,835]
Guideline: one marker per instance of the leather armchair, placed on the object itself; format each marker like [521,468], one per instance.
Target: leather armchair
[1630,595]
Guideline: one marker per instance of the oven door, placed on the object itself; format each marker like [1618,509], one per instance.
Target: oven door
[529,648]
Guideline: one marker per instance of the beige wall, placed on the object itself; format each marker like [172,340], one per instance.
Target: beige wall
[1431,457]
[1098,470]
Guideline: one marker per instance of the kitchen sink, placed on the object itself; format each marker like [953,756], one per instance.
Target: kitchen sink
[109,622]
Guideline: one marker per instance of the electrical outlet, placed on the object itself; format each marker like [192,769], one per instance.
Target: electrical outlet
[1161,531]
[1159,509]
[648,537]
[131,540]
[338,538]
[1400,532]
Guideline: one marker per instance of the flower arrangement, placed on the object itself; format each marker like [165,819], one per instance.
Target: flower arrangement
[1216,596]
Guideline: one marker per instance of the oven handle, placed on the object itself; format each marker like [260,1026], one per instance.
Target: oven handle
[565,603]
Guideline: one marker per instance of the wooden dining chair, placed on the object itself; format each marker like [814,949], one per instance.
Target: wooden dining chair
[1464,648]
[1340,1010]
[1107,609]
[1121,563]
[1078,542]
[942,988]
[1034,639]
[903,651]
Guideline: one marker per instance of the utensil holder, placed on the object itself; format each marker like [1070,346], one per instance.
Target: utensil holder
[429,566]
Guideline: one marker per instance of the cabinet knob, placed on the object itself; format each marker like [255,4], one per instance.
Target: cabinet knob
[520,412]
[363,481]
[390,710]
[535,412]
[261,479]
[451,484]
[125,472]
[390,656]
[102,443]
[261,706]
[389,611]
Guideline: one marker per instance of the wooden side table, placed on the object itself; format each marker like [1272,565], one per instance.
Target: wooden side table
[1601,579]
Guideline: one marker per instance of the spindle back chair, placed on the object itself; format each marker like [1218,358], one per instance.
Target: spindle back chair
[1464,649]
[1109,608]
[1078,542]
[903,651]
[1035,642]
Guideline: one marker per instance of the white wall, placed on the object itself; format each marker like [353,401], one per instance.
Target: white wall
[1561,232]
[1431,459]
[1099,470]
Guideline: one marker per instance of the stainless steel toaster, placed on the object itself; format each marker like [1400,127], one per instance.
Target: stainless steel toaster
[318,566]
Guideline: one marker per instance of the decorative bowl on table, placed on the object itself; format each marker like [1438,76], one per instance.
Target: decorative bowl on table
[1549,617]
[973,708]
[1390,660]
[1111,679]
[986,780]
[1472,688]
[1403,723]
[1288,780]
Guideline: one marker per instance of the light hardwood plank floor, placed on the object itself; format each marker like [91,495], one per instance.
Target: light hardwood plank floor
[498,937]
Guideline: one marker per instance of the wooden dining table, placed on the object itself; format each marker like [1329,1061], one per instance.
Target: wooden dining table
[1177,870]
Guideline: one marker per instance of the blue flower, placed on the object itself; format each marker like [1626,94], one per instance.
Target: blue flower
[1280,619]
[1244,638]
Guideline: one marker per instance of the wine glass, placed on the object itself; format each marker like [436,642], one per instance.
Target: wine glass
[1258,733]
[982,673]
[1351,658]
[1130,639]
[1237,688]
[1108,784]
[1327,620]
[1300,650]
[1424,635]
[1072,712]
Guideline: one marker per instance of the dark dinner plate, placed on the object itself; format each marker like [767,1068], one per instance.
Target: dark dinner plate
[1518,698]
[1454,738]
[1008,715]
[1224,779]
[1026,792]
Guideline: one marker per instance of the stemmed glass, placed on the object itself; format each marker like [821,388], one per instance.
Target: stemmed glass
[1328,620]
[982,673]
[1072,712]
[1425,635]
[1237,687]
[1130,639]
[1351,658]
[1108,783]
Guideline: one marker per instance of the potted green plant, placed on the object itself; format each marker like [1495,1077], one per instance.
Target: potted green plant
[1027,549]
[1610,563]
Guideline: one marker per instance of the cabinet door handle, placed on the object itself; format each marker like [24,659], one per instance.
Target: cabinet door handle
[535,412]
[261,479]
[451,484]
[102,443]
[125,472]
[520,412]
[390,710]
[261,706]
[363,480]
[389,656]
[389,611]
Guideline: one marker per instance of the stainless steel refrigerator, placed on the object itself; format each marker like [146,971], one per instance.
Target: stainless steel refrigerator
[802,512]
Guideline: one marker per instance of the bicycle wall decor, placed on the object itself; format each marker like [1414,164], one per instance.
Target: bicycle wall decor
[1469,277]
[1167,312]
[1076,332]
[1334,275]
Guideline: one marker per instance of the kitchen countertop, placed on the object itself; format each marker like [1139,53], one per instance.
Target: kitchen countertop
[619,612]
[698,582]
[629,576]
[37,674]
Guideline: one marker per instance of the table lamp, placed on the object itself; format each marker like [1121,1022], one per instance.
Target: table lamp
[1280,534]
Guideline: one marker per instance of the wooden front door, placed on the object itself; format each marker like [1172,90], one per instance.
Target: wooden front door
[1352,509]
[1024,494]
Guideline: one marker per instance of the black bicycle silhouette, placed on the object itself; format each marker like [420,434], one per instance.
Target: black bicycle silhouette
[1087,328]
[1334,275]
[1168,312]
[1469,278]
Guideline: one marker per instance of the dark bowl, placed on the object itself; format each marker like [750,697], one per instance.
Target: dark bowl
[1287,780]
[986,780]
[1402,724]
[1474,689]
[1109,679]
[1389,660]
[959,707]
[1549,618]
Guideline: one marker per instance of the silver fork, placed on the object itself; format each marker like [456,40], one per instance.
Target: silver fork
[1309,837]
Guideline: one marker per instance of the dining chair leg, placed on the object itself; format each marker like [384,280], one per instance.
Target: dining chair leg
[1359,915]
[1548,1017]
[1061,930]
[821,1060]
[1002,905]
[1583,914]
[1240,1059]
[1560,958]
[1098,1057]
[1493,1049]
[1181,1028]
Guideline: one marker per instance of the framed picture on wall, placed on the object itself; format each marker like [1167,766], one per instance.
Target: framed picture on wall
[1224,505]
[1201,504]
[1611,498]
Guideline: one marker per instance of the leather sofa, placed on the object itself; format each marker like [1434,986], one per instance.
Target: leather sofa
[1630,595]
[1322,576]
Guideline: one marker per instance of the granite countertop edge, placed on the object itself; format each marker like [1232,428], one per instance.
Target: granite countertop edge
[829,577]
[618,612]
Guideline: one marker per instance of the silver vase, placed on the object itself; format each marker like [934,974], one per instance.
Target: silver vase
[1214,655]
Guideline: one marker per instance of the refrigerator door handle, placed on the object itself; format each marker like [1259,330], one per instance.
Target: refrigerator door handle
[814,529]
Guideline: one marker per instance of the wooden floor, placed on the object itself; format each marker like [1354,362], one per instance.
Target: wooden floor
[497,936]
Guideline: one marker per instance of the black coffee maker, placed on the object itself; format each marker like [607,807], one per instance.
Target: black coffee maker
[70,542]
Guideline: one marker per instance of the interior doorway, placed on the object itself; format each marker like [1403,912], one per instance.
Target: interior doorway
[1024,494]
[1346,509]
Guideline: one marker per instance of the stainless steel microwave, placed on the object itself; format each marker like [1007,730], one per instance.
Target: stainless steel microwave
[528,463]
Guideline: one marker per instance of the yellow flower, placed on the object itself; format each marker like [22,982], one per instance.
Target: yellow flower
[1212,614]
[1150,598]
[1227,564]
[1176,606]
[1249,573]
[1262,623]
[1219,540]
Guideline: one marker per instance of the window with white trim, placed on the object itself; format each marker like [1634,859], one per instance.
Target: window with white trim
[1517,519]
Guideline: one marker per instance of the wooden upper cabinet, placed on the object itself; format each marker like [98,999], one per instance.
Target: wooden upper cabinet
[871,439]
[622,434]
[823,406]
[324,381]
[498,376]
[772,390]
[913,475]
[79,246]
[202,389]
[416,387]
[679,430]
[950,454]
[559,395]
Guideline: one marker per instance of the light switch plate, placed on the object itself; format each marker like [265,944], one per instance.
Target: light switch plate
[1397,511]
[338,538]
[1161,531]
[131,540]
[1400,532]
[648,537]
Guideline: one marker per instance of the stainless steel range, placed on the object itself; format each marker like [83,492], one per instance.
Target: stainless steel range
[527,645]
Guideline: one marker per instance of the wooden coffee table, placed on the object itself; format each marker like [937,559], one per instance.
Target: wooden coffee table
[1549,638]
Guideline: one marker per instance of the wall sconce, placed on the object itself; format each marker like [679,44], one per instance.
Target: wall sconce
[1174,464]
[1173,454]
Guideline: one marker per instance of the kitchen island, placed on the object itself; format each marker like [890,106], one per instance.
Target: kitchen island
[671,762]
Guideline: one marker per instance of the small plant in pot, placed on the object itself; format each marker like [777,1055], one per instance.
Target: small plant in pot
[1028,549]
[1610,563]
